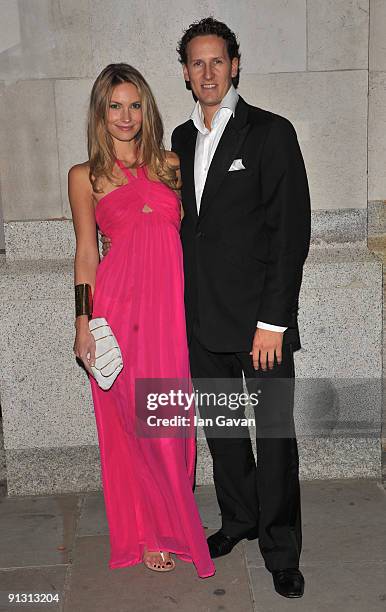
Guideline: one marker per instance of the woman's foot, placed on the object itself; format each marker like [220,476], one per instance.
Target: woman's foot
[158,561]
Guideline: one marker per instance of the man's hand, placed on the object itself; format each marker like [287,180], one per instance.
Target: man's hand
[106,244]
[265,345]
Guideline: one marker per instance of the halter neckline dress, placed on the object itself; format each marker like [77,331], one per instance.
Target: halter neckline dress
[139,289]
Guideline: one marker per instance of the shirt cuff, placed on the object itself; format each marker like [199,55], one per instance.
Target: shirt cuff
[275,328]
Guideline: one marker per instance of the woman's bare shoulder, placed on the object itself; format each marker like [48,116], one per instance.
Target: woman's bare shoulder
[80,171]
[172,159]
[79,177]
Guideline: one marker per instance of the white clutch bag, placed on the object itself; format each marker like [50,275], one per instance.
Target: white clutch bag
[108,356]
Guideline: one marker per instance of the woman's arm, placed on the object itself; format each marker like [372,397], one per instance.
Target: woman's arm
[83,217]
[86,255]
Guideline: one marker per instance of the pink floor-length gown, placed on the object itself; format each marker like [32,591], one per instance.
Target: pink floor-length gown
[147,482]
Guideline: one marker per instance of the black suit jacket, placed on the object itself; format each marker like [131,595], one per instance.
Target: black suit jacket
[244,252]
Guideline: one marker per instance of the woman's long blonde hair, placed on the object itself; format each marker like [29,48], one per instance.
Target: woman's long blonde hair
[151,150]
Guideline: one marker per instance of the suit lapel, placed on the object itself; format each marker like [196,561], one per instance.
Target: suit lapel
[189,190]
[227,149]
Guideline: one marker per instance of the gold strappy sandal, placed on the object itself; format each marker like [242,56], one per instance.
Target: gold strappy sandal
[167,566]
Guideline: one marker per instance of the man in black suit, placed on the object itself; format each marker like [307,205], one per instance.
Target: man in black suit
[245,236]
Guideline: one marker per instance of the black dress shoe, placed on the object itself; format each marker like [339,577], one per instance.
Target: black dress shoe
[288,582]
[221,544]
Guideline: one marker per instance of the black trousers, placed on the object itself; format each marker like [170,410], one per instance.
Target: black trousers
[266,495]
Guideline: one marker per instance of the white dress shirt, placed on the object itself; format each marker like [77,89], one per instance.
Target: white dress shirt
[207,140]
[206,145]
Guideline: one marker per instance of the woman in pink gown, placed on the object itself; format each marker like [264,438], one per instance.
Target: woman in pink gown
[138,287]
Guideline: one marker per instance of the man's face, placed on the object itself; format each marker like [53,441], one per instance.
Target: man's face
[209,69]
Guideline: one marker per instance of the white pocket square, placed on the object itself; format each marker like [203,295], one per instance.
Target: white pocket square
[237,164]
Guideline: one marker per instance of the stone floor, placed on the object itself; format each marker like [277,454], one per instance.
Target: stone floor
[59,545]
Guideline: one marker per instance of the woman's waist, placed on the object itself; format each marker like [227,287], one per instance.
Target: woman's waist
[126,231]
[127,255]
[151,233]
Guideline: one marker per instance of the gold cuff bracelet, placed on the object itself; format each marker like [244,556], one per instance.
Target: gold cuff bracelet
[83,300]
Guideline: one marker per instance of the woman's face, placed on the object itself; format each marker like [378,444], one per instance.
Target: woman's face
[124,117]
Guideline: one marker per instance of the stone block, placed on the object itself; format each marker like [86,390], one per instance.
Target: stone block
[39,240]
[64,469]
[49,579]
[45,395]
[329,112]
[339,457]
[54,39]
[174,101]
[377,136]
[337,34]
[116,31]
[71,101]
[9,25]
[47,524]
[272,36]
[377,48]
[343,225]
[340,314]
[2,234]
[377,219]
[29,172]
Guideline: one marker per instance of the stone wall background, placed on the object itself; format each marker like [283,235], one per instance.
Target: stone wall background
[321,63]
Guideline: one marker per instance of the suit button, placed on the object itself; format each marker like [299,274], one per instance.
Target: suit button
[199,235]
